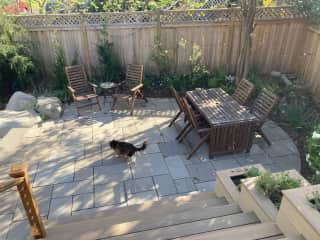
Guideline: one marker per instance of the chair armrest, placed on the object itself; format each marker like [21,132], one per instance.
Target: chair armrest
[93,85]
[136,88]
[204,130]
[71,90]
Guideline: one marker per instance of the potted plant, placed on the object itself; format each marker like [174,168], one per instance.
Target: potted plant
[263,194]
[228,181]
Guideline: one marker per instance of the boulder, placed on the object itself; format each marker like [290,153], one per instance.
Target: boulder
[21,101]
[49,107]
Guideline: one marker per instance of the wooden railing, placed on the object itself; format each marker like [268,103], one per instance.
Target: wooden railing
[21,179]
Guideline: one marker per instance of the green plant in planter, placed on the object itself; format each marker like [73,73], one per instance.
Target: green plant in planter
[313,149]
[252,172]
[271,186]
[314,199]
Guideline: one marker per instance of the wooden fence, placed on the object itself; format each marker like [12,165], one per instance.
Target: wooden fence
[278,33]
[309,59]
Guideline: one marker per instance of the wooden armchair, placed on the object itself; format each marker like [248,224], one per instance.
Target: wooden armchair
[243,92]
[81,90]
[262,108]
[180,105]
[131,88]
[197,123]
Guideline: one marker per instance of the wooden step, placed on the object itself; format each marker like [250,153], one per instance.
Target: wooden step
[187,229]
[103,227]
[163,207]
[249,232]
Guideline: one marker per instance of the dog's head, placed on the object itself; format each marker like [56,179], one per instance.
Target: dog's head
[113,143]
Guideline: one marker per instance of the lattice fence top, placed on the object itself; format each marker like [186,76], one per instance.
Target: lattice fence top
[151,18]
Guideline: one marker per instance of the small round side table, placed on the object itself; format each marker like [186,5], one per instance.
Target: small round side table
[107,89]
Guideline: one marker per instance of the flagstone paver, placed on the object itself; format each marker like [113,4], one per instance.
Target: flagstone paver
[206,186]
[139,185]
[74,171]
[142,197]
[82,201]
[184,185]
[176,167]
[164,185]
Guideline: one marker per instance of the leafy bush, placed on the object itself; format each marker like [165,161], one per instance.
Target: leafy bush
[312,7]
[252,172]
[314,199]
[313,150]
[17,69]
[271,185]
[110,67]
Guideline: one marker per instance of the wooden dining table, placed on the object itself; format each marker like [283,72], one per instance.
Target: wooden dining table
[232,126]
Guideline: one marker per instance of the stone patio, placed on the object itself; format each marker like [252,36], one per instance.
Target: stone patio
[73,170]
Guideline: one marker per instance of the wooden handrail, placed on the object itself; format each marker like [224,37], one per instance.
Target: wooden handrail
[12,183]
[20,173]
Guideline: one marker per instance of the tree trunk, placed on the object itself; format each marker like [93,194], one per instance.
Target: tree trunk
[248,12]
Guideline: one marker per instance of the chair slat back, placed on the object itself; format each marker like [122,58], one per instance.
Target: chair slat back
[178,99]
[190,113]
[77,78]
[243,92]
[264,104]
[134,75]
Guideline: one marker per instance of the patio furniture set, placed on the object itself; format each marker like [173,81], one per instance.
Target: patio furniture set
[221,120]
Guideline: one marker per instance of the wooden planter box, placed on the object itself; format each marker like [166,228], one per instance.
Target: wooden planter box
[296,210]
[225,187]
[252,200]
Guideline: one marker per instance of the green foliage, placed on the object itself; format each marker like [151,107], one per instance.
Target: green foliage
[109,63]
[314,199]
[313,150]
[312,7]
[17,70]
[269,184]
[252,172]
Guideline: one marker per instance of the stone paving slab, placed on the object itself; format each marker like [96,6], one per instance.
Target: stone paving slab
[226,163]
[5,221]
[202,172]
[73,188]
[176,167]
[19,230]
[206,186]
[105,195]
[83,174]
[149,165]
[184,185]
[164,185]
[82,201]
[112,174]
[139,185]
[142,197]
[60,207]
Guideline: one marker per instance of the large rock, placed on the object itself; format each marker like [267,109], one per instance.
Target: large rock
[21,101]
[15,119]
[49,107]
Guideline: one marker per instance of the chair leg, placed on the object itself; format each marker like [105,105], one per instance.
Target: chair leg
[175,118]
[142,96]
[202,141]
[114,101]
[185,134]
[132,104]
[264,136]
[186,127]
[98,102]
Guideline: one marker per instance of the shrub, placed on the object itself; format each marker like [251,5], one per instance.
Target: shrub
[266,184]
[313,150]
[252,172]
[311,7]
[109,63]
[17,69]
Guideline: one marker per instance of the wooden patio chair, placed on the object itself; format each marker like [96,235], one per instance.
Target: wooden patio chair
[80,88]
[180,105]
[197,123]
[243,92]
[262,108]
[131,88]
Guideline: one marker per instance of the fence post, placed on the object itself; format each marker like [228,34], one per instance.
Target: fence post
[29,203]
[86,42]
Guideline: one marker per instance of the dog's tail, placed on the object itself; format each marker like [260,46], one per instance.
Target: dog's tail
[143,147]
